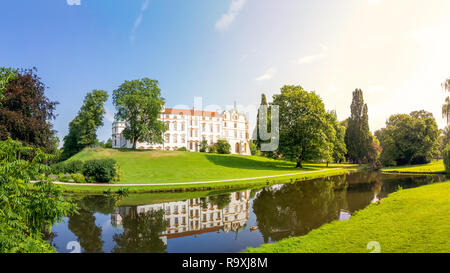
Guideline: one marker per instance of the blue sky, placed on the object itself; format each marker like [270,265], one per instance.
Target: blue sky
[232,50]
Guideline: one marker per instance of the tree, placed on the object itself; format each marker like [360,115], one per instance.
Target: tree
[6,75]
[446,105]
[139,103]
[357,136]
[25,111]
[304,127]
[257,136]
[409,139]
[83,128]
[339,148]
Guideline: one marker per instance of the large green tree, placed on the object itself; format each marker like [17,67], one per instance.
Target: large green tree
[357,136]
[304,128]
[138,103]
[25,112]
[83,128]
[409,139]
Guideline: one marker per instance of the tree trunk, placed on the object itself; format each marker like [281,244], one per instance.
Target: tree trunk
[327,164]
[299,164]
[134,143]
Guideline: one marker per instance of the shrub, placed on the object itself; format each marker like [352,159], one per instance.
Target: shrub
[212,149]
[58,168]
[75,166]
[182,149]
[253,148]
[78,178]
[100,170]
[446,155]
[223,147]
[64,177]
[203,146]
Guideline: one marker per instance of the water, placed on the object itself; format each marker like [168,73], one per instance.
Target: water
[229,222]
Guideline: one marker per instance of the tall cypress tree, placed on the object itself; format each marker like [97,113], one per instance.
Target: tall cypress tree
[358,137]
[258,138]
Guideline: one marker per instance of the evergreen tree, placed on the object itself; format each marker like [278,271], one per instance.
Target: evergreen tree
[357,137]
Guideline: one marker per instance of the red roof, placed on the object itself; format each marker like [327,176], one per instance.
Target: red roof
[191,112]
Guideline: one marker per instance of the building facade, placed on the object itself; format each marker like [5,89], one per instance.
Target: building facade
[188,128]
[189,217]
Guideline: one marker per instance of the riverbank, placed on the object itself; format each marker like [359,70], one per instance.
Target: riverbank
[207,185]
[434,167]
[407,221]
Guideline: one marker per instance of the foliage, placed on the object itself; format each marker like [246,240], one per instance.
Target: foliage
[139,104]
[182,149]
[212,149]
[357,135]
[305,131]
[223,147]
[101,170]
[83,128]
[78,178]
[73,166]
[339,147]
[446,155]
[25,111]
[6,75]
[26,214]
[253,148]
[409,139]
[203,146]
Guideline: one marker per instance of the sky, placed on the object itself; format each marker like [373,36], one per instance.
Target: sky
[227,51]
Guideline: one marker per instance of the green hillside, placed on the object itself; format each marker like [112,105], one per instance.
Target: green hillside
[140,167]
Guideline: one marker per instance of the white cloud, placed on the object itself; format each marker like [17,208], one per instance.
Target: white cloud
[267,75]
[73,2]
[227,18]
[138,20]
[312,58]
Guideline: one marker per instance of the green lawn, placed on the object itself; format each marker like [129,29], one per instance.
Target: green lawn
[411,221]
[147,167]
[436,166]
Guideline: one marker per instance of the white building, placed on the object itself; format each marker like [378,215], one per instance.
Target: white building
[186,218]
[188,128]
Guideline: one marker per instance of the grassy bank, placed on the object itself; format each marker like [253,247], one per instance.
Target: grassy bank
[410,221]
[236,185]
[181,168]
[436,166]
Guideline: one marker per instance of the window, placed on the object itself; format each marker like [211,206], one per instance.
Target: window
[211,128]
[183,139]
[218,128]
[174,126]
[235,134]
[167,138]
[235,125]
[203,127]
[175,138]
[225,124]
[182,126]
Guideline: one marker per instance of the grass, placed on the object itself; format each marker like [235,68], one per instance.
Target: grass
[436,166]
[236,185]
[162,167]
[408,221]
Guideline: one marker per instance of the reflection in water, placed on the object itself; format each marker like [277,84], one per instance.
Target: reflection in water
[212,224]
[191,217]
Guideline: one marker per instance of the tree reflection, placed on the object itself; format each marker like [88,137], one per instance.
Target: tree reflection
[141,233]
[296,209]
[83,224]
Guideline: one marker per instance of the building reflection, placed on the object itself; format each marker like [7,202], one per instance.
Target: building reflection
[229,212]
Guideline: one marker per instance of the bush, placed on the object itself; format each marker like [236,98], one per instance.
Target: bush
[75,166]
[64,177]
[78,178]
[182,149]
[446,155]
[212,149]
[100,170]
[253,148]
[203,146]
[223,147]
[58,168]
